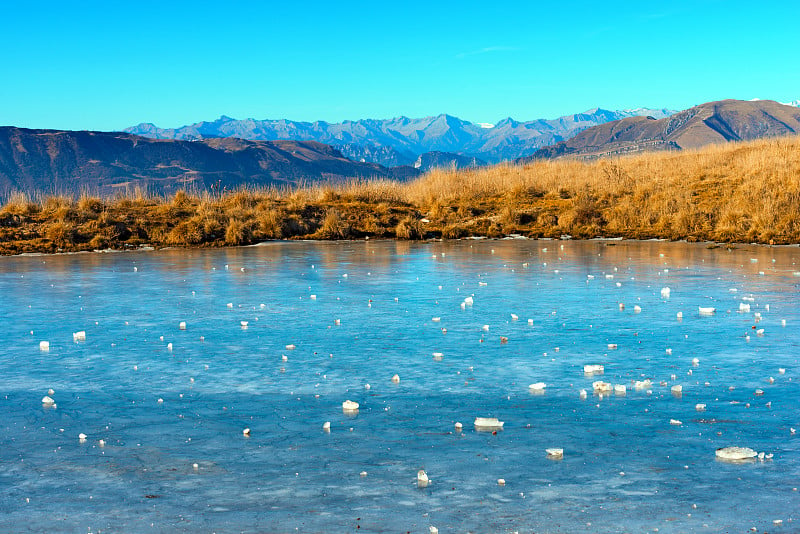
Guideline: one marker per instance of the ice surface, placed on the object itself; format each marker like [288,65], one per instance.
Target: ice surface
[182,464]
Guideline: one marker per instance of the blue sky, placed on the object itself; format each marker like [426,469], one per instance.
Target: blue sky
[108,65]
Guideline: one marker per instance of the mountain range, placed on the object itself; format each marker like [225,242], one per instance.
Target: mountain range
[107,163]
[402,140]
[709,123]
[54,161]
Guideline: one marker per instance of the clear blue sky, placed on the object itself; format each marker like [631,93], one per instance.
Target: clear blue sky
[107,65]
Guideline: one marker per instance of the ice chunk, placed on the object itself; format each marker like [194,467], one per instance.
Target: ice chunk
[593,369]
[736,454]
[601,387]
[488,423]
[422,479]
[642,384]
[349,406]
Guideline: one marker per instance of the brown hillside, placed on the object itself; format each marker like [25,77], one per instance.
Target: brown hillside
[709,123]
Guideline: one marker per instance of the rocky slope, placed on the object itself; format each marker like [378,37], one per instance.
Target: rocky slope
[712,122]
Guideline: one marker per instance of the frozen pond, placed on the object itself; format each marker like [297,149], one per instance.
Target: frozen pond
[326,319]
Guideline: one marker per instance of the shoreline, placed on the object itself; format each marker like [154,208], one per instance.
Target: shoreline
[736,193]
[608,241]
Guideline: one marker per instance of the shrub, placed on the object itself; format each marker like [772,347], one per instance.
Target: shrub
[270,224]
[408,228]
[91,205]
[186,233]
[63,234]
[237,233]
[453,231]
[334,226]
[19,204]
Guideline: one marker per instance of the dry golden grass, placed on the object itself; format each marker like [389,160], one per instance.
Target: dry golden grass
[747,192]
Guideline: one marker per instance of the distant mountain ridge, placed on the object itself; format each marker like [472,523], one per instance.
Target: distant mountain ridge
[708,123]
[55,161]
[382,155]
[370,139]
[447,160]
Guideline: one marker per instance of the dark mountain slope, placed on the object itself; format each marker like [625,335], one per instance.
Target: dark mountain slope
[105,163]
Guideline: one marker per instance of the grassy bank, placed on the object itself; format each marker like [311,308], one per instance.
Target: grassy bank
[728,193]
